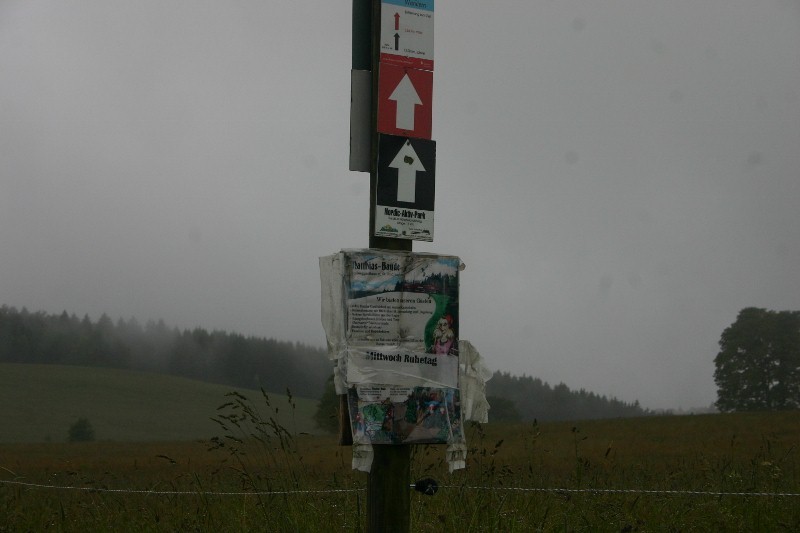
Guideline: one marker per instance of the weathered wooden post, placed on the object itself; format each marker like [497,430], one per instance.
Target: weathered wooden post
[388,486]
[388,493]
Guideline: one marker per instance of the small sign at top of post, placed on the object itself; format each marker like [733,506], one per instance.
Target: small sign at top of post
[407,33]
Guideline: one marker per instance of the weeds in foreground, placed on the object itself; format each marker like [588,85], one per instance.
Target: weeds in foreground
[258,445]
[266,459]
[259,476]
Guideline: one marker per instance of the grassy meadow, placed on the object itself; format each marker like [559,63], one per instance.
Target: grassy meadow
[738,472]
[38,403]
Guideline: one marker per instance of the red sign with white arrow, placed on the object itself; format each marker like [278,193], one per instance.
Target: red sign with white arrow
[405,98]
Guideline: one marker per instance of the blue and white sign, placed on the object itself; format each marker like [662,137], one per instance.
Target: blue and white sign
[407,33]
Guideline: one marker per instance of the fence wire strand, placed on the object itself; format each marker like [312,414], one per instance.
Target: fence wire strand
[662,492]
[176,492]
[656,492]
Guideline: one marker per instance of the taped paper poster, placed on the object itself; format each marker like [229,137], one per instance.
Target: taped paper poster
[401,318]
[405,415]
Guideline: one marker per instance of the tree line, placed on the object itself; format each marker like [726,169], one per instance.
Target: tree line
[757,367]
[527,398]
[250,362]
[215,356]
[515,399]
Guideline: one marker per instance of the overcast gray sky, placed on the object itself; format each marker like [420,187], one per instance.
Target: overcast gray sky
[619,177]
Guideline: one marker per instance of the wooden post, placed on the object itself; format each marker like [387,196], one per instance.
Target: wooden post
[388,484]
[388,492]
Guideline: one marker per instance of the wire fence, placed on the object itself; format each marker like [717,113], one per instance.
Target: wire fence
[654,492]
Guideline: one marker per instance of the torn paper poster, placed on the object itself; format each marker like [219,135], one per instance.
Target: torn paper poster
[391,321]
[392,317]
[472,378]
[403,415]
[400,367]
[402,299]
[331,274]
[390,421]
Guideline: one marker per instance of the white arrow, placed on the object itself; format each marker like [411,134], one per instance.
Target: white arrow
[407,164]
[406,98]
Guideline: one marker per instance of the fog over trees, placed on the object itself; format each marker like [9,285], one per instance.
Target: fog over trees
[757,368]
[215,356]
[250,362]
[535,399]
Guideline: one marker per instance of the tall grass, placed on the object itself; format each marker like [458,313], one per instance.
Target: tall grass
[266,459]
[565,477]
[524,477]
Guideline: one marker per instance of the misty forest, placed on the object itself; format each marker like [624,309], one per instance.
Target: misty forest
[214,357]
[251,362]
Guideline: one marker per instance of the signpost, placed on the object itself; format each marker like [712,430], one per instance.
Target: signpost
[394,41]
[392,316]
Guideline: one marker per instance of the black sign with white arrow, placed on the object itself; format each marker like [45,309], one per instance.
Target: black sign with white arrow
[406,185]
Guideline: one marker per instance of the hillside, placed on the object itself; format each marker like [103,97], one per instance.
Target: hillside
[38,403]
[220,357]
[239,362]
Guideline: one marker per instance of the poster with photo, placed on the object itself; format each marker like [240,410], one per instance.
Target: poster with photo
[405,415]
[401,318]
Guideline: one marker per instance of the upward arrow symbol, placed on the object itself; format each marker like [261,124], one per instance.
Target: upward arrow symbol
[407,164]
[407,98]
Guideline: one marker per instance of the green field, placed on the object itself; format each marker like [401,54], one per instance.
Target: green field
[38,403]
[732,472]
